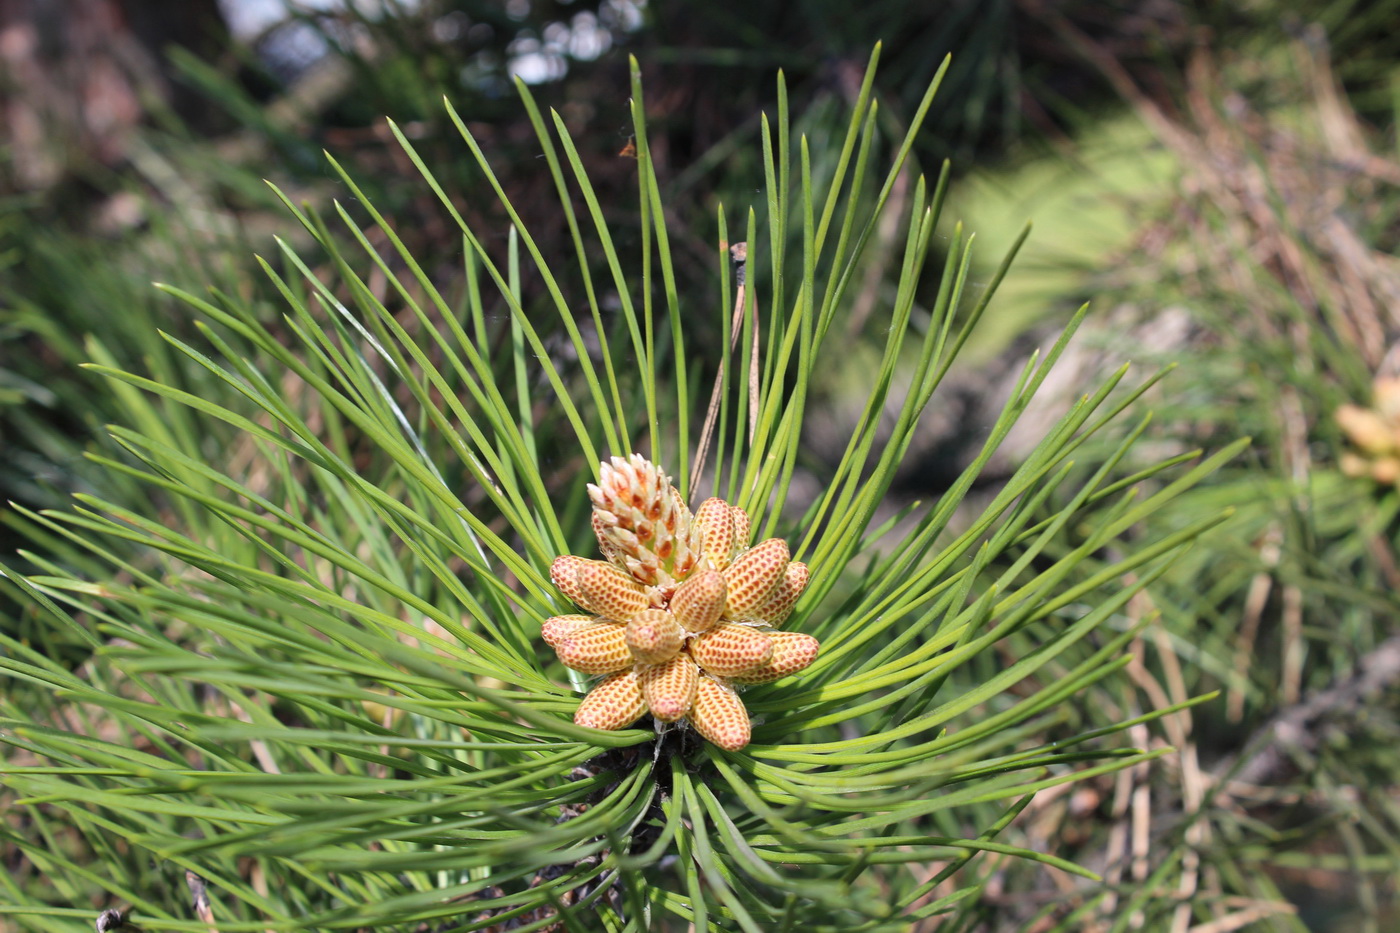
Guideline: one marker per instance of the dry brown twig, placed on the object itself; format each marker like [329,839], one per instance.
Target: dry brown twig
[199,897]
[1293,731]
[738,255]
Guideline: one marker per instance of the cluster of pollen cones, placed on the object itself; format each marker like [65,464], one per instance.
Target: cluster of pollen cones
[1375,432]
[681,611]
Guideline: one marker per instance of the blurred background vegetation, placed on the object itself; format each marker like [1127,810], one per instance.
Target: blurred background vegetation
[1221,181]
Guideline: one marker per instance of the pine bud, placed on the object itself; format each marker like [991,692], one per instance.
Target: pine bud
[642,521]
[610,553]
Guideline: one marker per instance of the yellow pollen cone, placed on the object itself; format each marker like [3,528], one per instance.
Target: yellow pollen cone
[615,703]
[752,576]
[598,648]
[669,688]
[778,606]
[715,526]
[554,629]
[653,636]
[1386,470]
[792,651]
[1366,429]
[741,527]
[731,649]
[610,592]
[719,715]
[699,602]
[563,573]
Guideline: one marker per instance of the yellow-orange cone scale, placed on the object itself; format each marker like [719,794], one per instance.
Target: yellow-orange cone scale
[654,636]
[669,689]
[730,649]
[792,651]
[752,576]
[719,715]
[615,703]
[699,602]
[597,648]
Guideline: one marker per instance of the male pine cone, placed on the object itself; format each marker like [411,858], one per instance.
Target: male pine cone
[682,610]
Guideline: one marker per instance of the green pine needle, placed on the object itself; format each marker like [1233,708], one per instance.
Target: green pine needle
[321,689]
